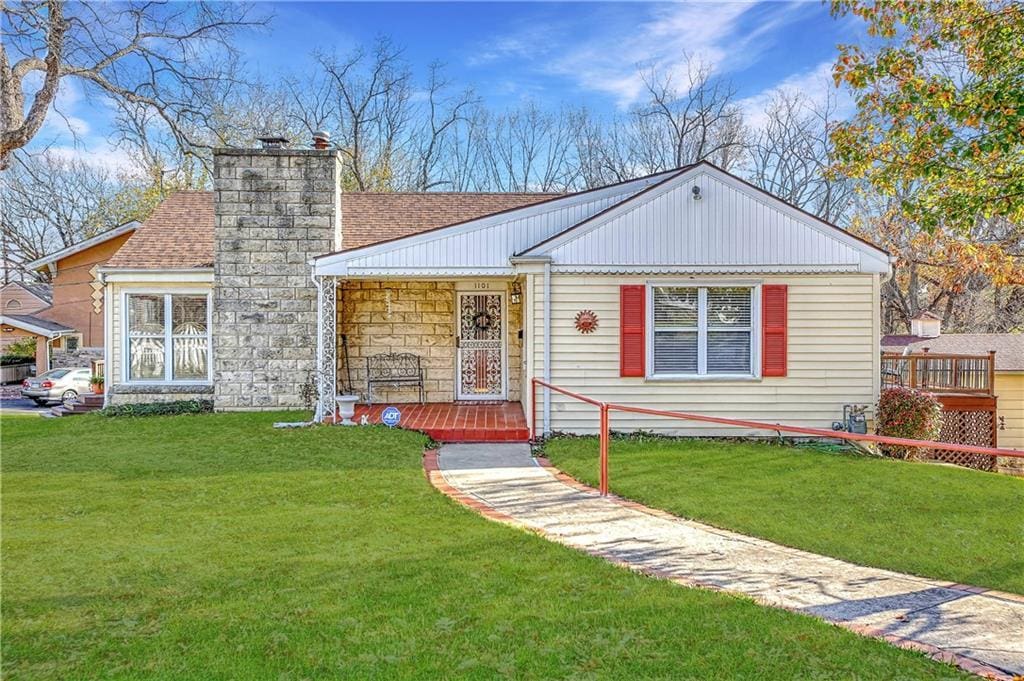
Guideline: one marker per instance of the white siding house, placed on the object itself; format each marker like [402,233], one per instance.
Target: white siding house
[677,268]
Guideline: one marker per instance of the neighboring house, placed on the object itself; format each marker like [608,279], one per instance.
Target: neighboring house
[18,303]
[708,294]
[926,336]
[66,316]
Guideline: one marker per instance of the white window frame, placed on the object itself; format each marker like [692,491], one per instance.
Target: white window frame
[702,287]
[168,337]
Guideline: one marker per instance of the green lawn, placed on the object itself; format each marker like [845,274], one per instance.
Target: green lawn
[214,547]
[937,521]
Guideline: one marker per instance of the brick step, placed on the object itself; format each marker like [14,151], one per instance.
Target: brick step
[478,434]
[82,405]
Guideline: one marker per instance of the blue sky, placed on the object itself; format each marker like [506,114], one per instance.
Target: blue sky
[549,52]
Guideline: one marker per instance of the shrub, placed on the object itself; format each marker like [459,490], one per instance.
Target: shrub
[903,412]
[159,408]
[9,360]
[19,352]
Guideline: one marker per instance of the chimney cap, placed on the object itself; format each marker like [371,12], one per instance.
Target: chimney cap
[270,141]
[321,139]
[926,314]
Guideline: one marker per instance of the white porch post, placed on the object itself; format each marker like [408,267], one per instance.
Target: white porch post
[326,346]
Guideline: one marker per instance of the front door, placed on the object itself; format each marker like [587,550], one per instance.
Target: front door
[480,341]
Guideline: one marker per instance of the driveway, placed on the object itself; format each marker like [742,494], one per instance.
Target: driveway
[978,629]
[11,402]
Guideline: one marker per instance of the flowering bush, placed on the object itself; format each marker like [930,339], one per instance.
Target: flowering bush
[903,412]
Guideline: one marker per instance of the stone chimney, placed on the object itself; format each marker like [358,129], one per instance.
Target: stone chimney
[276,208]
[926,325]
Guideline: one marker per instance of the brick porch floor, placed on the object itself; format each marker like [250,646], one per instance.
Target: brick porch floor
[459,422]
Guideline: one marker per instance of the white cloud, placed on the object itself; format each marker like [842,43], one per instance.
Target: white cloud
[603,56]
[100,155]
[815,84]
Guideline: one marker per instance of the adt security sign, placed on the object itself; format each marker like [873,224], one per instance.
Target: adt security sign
[390,417]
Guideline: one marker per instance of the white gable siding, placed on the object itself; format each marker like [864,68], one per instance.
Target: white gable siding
[482,246]
[732,228]
[833,359]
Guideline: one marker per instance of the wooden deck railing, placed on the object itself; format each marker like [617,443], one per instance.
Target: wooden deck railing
[940,373]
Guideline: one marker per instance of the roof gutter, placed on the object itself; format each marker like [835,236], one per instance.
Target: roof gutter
[49,261]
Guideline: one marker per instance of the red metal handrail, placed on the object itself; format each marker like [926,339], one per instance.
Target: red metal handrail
[606,407]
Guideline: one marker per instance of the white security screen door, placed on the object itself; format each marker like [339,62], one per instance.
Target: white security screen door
[480,341]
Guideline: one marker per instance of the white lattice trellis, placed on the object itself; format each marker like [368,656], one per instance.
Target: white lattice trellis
[326,346]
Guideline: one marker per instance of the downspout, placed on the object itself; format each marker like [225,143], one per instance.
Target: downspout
[107,339]
[547,347]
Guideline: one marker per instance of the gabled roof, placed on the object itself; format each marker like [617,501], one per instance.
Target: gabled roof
[36,325]
[652,224]
[373,217]
[1009,347]
[82,245]
[704,219]
[177,235]
[480,246]
[42,292]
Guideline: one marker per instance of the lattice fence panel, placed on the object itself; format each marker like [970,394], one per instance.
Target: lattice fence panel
[967,428]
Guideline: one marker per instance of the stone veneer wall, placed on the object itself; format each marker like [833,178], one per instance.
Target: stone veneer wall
[149,394]
[275,210]
[82,357]
[416,317]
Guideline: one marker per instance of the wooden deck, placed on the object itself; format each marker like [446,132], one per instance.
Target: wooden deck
[965,385]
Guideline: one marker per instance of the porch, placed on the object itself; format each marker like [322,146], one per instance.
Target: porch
[447,352]
[459,422]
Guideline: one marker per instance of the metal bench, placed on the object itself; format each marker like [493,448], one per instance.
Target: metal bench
[394,369]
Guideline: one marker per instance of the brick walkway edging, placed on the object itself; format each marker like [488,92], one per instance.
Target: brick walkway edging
[968,664]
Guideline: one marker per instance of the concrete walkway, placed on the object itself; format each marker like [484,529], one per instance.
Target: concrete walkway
[982,631]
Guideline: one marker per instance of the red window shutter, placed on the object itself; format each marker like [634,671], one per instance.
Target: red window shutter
[631,330]
[773,329]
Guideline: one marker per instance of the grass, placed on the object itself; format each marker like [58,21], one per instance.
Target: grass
[937,521]
[215,547]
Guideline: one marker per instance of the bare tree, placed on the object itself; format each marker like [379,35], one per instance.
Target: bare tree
[437,125]
[51,202]
[160,56]
[792,153]
[679,126]
[364,99]
[531,150]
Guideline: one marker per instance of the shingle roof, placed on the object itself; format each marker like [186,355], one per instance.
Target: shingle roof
[42,291]
[1009,347]
[32,323]
[370,217]
[52,258]
[39,290]
[179,233]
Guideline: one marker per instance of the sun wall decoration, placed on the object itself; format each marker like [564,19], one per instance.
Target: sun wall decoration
[586,321]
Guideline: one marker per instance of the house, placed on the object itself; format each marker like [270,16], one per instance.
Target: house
[688,289]
[65,317]
[1008,372]
[18,301]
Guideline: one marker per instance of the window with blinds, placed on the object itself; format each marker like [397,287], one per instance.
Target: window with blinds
[702,330]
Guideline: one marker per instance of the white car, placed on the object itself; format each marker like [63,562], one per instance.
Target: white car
[57,385]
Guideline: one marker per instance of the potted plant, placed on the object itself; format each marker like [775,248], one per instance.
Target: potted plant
[97,385]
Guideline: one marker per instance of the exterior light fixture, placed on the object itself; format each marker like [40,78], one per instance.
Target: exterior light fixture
[696,193]
[517,293]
